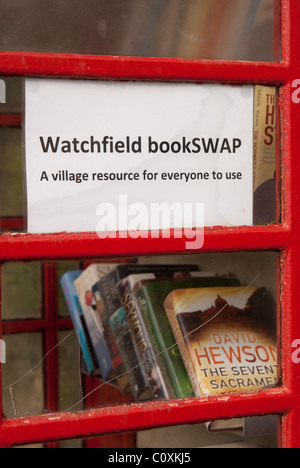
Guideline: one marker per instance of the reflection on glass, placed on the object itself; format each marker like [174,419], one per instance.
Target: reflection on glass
[23,395]
[21,290]
[11,181]
[206,29]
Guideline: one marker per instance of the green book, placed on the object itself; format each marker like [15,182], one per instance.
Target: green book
[151,297]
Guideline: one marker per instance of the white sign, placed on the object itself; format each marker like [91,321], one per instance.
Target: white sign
[92,146]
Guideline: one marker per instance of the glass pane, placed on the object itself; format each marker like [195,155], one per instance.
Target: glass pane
[73,444]
[22,380]
[258,432]
[21,290]
[207,327]
[208,29]
[69,371]
[11,178]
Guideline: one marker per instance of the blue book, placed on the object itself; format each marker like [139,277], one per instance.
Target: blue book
[71,297]
[94,325]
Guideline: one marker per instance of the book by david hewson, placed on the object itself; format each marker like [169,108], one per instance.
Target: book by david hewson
[151,295]
[229,335]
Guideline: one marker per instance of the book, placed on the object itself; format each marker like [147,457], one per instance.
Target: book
[92,318]
[71,297]
[126,290]
[130,356]
[151,297]
[135,281]
[265,138]
[107,286]
[229,336]
[90,298]
[150,364]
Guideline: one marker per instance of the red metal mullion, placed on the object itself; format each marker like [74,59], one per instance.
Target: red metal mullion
[24,326]
[290,329]
[30,326]
[290,294]
[136,417]
[11,224]
[51,339]
[10,120]
[88,245]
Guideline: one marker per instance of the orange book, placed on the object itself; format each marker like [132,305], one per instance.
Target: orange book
[229,336]
[265,116]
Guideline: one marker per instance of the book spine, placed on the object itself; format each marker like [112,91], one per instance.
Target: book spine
[96,333]
[183,351]
[140,336]
[99,344]
[116,358]
[265,98]
[128,351]
[165,346]
[107,288]
[72,301]
[110,340]
[158,350]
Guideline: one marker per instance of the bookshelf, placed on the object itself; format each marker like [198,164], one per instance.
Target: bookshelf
[282,238]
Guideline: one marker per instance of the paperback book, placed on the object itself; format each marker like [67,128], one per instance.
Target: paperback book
[152,366]
[92,318]
[71,297]
[227,336]
[93,307]
[151,295]
[132,363]
[107,286]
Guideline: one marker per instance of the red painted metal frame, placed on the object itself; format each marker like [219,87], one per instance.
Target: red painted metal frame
[10,120]
[285,238]
[18,246]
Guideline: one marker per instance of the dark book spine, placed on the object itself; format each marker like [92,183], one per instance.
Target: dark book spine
[137,378]
[140,336]
[103,296]
[108,291]
[164,344]
[157,349]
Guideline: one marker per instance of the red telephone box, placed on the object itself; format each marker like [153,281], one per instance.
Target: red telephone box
[282,238]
